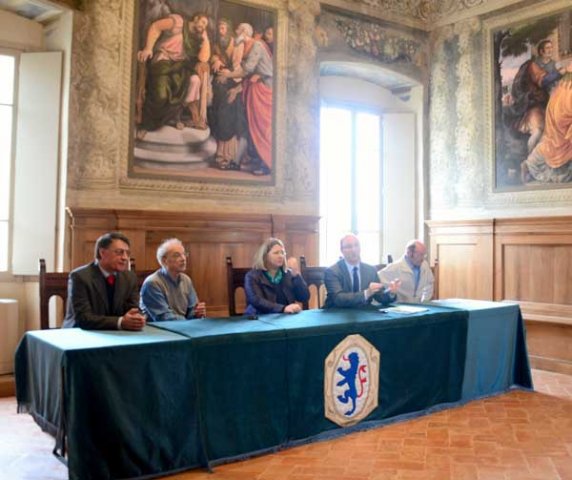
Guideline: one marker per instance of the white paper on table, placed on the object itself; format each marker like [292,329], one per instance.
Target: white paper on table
[404,309]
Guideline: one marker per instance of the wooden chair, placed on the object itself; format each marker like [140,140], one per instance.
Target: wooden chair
[141,274]
[313,276]
[435,270]
[234,281]
[381,266]
[51,284]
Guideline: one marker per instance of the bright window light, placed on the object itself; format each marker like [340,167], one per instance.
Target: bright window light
[350,181]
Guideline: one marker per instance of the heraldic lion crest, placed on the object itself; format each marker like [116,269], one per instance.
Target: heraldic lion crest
[351,381]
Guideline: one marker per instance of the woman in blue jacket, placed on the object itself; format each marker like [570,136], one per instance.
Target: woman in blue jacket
[274,284]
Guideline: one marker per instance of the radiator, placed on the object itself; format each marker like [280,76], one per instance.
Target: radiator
[9,334]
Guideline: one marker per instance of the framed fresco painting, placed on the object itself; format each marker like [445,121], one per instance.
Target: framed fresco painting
[532,102]
[204,93]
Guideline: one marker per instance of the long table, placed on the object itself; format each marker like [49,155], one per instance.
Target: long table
[184,394]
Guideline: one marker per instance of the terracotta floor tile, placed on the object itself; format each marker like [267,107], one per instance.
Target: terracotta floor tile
[517,436]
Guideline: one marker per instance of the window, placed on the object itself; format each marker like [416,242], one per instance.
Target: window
[7,77]
[350,180]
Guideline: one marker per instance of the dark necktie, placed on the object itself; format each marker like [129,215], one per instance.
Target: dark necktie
[110,287]
[356,280]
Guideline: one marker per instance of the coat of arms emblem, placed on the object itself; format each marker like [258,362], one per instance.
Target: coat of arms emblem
[351,381]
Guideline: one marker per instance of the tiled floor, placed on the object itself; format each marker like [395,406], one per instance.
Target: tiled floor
[520,436]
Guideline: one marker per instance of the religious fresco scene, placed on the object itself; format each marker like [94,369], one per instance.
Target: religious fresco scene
[533,103]
[203,99]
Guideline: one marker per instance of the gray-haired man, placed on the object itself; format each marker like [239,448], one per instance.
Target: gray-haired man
[168,294]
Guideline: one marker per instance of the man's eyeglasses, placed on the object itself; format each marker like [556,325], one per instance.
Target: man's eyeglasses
[120,252]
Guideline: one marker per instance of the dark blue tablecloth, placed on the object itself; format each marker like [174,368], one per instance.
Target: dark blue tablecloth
[188,393]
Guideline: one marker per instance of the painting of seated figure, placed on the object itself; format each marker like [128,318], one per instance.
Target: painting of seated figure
[204,92]
[532,69]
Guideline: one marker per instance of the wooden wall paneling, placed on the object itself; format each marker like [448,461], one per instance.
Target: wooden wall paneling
[300,237]
[465,253]
[528,260]
[534,267]
[209,238]
[536,273]
[208,269]
[85,228]
[550,346]
[299,234]
[534,259]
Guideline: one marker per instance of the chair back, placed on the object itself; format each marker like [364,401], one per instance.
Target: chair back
[314,278]
[51,284]
[234,281]
[381,266]
[435,270]
[140,274]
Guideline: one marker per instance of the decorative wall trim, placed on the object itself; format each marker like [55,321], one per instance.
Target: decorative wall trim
[422,14]
[371,10]
[453,11]
[377,42]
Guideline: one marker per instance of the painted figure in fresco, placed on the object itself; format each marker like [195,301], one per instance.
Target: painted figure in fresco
[157,9]
[227,117]
[531,91]
[256,70]
[268,37]
[177,52]
[551,159]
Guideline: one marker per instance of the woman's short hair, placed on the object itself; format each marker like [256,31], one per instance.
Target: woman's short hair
[260,255]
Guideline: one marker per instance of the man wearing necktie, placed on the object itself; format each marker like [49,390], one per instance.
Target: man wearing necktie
[103,295]
[351,283]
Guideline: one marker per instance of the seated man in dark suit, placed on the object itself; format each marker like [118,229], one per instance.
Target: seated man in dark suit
[351,283]
[103,295]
